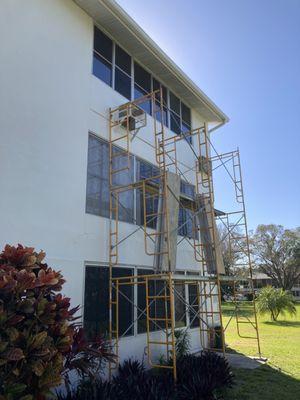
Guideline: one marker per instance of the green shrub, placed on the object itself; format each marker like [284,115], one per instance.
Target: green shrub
[200,376]
[275,302]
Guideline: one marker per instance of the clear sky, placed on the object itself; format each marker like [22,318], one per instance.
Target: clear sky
[245,55]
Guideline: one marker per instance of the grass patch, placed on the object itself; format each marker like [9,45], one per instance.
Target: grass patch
[280,343]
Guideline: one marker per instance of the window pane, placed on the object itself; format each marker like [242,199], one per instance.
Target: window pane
[181,222]
[123,60]
[138,92]
[125,177]
[175,123]
[96,297]
[126,303]
[142,78]
[97,192]
[96,301]
[174,103]
[180,317]
[123,83]
[144,171]
[186,114]
[165,115]
[188,189]
[102,69]
[186,129]
[193,309]
[142,315]
[157,85]
[102,44]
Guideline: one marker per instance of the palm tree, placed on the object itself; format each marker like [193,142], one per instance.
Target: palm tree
[275,302]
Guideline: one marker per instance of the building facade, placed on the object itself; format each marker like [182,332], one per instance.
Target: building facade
[64,65]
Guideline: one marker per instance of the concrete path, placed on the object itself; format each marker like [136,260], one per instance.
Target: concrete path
[241,361]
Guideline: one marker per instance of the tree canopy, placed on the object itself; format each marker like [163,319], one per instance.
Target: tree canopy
[276,252]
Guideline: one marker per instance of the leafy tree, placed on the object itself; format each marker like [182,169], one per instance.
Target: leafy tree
[277,253]
[40,341]
[275,302]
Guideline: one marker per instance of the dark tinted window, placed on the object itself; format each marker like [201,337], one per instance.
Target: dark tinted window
[103,44]
[102,69]
[180,312]
[123,83]
[146,105]
[156,85]
[175,123]
[96,302]
[96,317]
[126,302]
[158,307]
[174,103]
[141,303]
[142,78]
[187,189]
[186,114]
[193,309]
[123,60]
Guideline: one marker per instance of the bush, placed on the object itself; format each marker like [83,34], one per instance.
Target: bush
[183,342]
[134,383]
[90,389]
[275,302]
[40,341]
[200,376]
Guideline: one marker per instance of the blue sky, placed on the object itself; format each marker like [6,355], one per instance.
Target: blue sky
[245,55]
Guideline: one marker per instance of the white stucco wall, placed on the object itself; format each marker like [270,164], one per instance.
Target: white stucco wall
[49,102]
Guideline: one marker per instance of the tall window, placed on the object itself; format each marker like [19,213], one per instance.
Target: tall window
[142,85]
[145,171]
[158,86]
[96,301]
[123,73]
[180,309]
[175,121]
[102,60]
[97,191]
[186,212]
[180,117]
[193,302]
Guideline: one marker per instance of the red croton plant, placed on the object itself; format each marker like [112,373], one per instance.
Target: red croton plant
[40,340]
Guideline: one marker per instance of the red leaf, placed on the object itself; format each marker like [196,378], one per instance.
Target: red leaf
[15,354]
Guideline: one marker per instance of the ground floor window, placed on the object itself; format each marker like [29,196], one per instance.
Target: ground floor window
[132,303]
[96,301]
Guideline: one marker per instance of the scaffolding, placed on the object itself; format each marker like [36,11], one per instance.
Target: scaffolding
[161,287]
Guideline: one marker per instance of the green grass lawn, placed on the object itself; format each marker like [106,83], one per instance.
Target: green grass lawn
[279,378]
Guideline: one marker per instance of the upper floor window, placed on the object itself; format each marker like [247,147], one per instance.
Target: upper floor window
[158,86]
[123,73]
[180,116]
[113,65]
[133,207]
[103,54]
[142,85]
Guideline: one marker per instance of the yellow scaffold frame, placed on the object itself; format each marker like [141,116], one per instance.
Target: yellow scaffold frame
[208,286]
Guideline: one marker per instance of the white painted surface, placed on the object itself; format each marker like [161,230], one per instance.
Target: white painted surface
[49,101]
